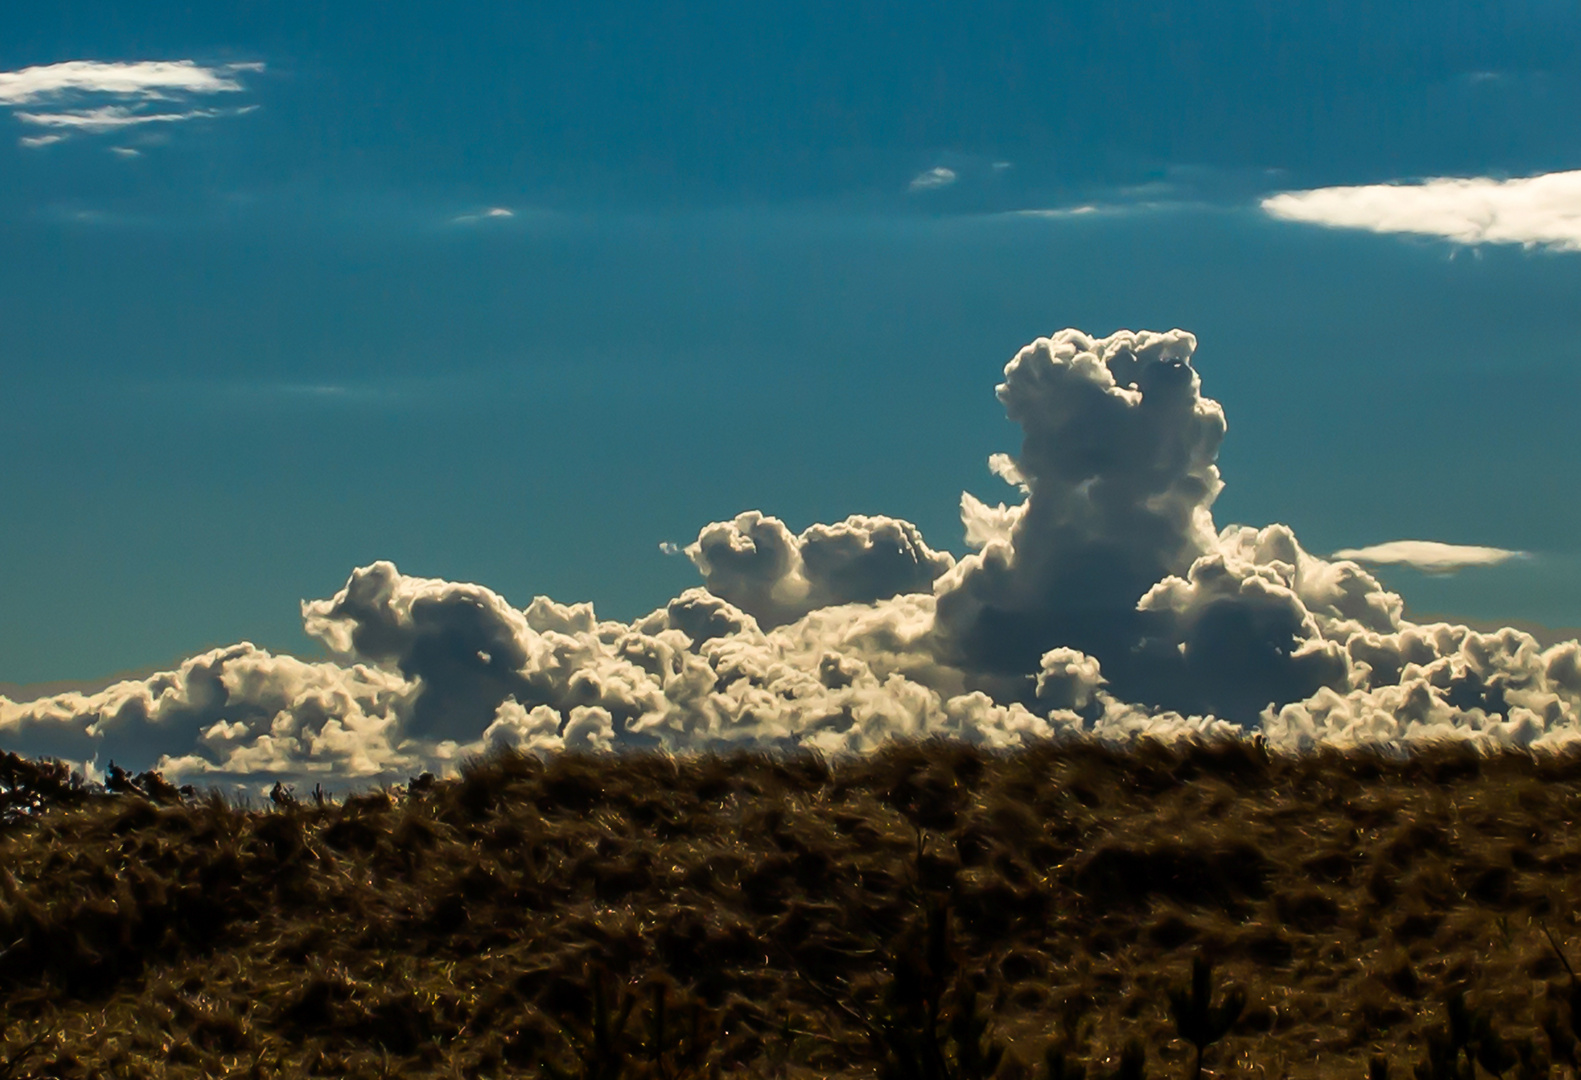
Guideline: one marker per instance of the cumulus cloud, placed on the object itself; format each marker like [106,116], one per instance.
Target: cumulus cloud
[1101,600]
[1429,556]
[1118,466]
[1534,211]
[936,177]
[93,97]
[754,562]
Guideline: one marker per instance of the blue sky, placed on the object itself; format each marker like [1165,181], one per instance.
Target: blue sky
[511,293]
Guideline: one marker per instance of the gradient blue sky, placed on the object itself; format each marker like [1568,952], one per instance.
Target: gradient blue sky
[756,257]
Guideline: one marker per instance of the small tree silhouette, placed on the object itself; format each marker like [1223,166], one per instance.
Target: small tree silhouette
[1197,1020]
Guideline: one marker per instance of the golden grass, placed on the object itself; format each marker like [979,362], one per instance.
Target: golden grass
[1007,915]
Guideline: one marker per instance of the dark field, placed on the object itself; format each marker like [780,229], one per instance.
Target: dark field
[746,915]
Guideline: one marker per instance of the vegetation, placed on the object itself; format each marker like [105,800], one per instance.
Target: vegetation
[933,912]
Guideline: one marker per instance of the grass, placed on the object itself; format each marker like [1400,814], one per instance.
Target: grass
[934,911]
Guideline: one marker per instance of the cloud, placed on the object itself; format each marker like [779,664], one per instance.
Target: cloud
[756,564]
[1107,210]
[93,97]
[1534,211]
[151,79]
[493,213]
[1102,600]
[113,118]
[1118,465]
[936,177]
[1062,211]
[125,152]
[41,140]
[1429,556]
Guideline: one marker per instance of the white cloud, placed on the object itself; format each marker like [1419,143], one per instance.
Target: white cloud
[125,151]
[1106,602]
[1061,211]
[493,213]
[1429,556]
[93,97]
[41,140]
[757,564]
[115,117]
[936,177]
[151,79]
[1078,211]
[1535,211]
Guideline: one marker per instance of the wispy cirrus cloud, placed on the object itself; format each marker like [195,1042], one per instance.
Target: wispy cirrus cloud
[148,79]
[936,177]
[1429,556]
[114,118]
[1057,212]
[493,213]
[93,97]
[1534,211]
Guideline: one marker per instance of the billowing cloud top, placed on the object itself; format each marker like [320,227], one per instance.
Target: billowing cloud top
[1102,600]
[94,97]
[1542,210]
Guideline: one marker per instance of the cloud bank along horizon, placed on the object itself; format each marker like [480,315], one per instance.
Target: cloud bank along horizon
[1100,600]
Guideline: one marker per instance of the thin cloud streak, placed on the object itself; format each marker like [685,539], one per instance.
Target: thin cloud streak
[493,213]
[1429,556]
[114,118]
[1060,211]
[1533,211]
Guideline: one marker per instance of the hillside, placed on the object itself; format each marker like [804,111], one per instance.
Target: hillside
[795,917]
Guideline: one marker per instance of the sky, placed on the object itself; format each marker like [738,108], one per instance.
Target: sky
[528,295]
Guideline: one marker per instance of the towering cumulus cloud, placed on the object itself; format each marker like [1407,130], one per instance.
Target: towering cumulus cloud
[1101,600]
[1117,467]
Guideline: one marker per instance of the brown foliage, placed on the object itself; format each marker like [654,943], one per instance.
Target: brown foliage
[453,927]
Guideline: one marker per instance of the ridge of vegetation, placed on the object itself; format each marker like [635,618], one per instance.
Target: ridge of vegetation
[934,911]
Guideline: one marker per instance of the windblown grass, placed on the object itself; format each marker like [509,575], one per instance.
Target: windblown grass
[931,911]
